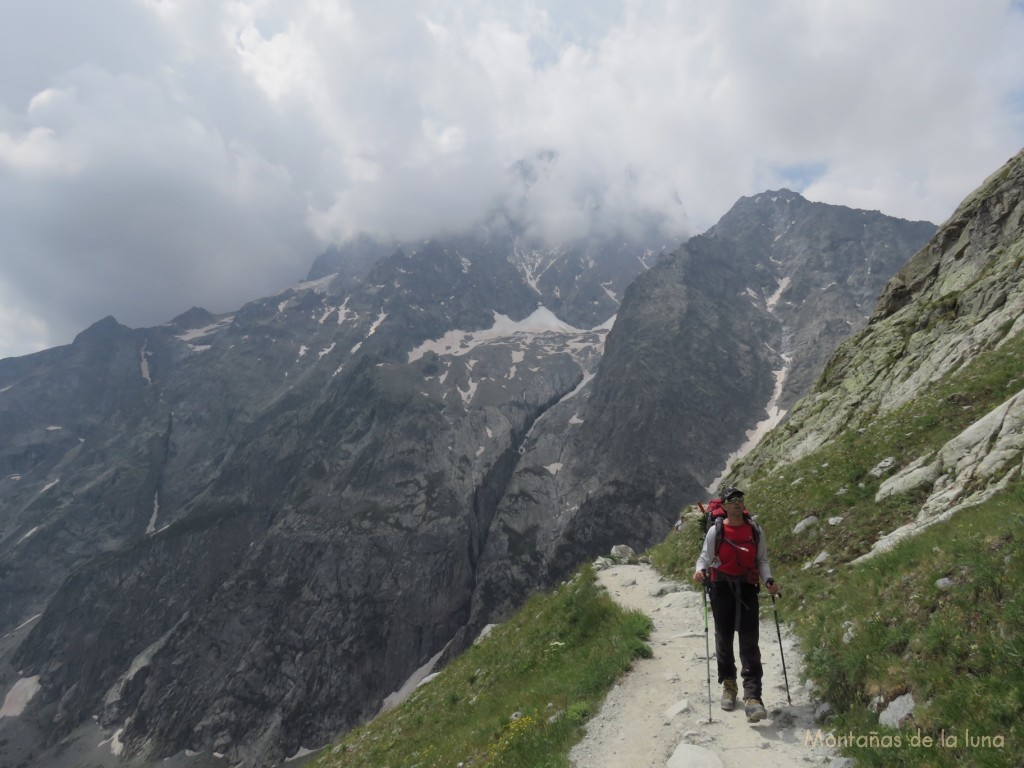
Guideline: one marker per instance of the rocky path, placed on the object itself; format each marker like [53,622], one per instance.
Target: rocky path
[657,715]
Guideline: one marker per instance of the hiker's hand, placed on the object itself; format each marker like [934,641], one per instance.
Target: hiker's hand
[773,587]
[700,576]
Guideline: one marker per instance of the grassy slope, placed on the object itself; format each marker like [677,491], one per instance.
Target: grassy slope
[519,698]
[959,650]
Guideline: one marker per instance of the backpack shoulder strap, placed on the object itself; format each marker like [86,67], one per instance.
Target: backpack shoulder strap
[754,527]
[719,533]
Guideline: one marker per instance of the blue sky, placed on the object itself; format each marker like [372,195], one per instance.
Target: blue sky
[160,154]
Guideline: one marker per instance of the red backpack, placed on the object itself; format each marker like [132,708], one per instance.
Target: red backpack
[714,515]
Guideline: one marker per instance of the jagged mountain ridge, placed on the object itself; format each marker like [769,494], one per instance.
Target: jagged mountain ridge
[698,349]
[581,281]
[816,301]
[301,503]
[960,295]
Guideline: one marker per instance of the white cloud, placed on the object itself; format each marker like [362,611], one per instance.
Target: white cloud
[35,151]
[156,154]
[21,332]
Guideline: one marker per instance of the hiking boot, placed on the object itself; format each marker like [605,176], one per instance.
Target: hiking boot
[754,710]
[729,695]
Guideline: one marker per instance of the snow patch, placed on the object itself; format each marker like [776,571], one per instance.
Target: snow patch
[344,313]
[753,437]
[774,298]
[54,429]
[151,528]
[467,395]
[579,387]
[417,677]
[116,745]
[206,330]
[533,264]
[49,486]
[140,662]
[302,752]
[19,696]
[28,534]
[320,285]
[373,330]
[144,363]
[327,351]
[553,468]
[21,626]
[458,342]
[376,324]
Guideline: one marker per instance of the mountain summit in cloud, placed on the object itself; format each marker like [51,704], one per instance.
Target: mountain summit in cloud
[156,155]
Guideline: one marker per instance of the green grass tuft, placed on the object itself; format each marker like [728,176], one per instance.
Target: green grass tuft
[520,698]
[884,627]
[676,556]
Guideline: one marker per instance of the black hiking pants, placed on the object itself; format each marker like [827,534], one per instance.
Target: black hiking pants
[734,606]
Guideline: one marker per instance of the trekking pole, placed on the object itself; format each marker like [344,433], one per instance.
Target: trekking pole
[707,644]
[781,654]
[704,591]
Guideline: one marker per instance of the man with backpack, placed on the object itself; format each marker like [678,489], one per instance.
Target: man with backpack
[735,554]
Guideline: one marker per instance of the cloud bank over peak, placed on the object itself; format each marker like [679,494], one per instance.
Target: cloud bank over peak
[157,154]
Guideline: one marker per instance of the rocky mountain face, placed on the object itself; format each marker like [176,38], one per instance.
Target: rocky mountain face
[239,534]
[707,342]
[959,297]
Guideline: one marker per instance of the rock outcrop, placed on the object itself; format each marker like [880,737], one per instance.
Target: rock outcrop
[958,297]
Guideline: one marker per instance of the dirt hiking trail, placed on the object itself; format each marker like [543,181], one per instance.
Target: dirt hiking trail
[656,716]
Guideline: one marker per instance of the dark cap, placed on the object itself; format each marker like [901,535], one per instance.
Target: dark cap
[731,493]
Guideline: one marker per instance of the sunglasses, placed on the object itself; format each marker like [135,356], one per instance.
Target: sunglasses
[732,499]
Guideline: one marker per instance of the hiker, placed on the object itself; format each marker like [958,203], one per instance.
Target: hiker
[735,553]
